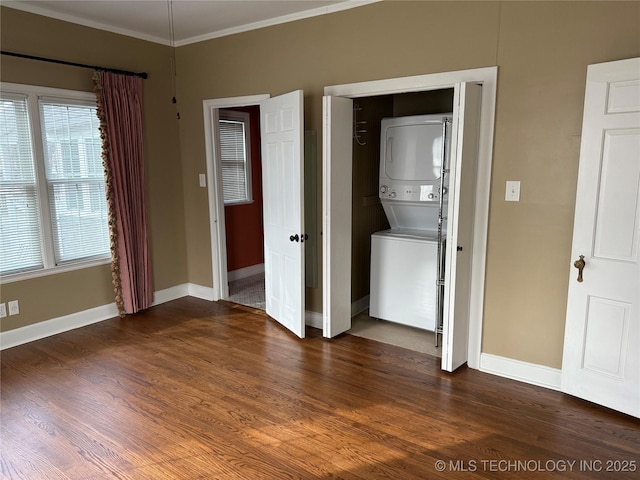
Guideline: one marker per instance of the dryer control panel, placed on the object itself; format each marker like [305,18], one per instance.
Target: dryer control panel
[412,193]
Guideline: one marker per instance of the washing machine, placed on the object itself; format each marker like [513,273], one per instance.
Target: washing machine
[403,278]
[403,284]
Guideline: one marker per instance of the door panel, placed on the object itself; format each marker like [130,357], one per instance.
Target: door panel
[616,233]
[460,217]
[336,239]
[601,361]
[282,167]
[607,336]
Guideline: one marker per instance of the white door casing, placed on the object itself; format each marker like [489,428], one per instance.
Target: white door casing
[601,358]
[282,143]
[337,148]
[461,212]
[487,77]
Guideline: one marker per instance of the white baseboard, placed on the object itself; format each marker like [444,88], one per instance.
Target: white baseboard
[198,291]
[522,371]
[171,293]
[313,319]
[245,272]
[30,333]
[359,305]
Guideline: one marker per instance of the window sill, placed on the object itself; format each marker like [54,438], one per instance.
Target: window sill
[43,272]
[236,204]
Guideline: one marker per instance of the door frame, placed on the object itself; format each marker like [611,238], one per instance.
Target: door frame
[217,230]
[487,77]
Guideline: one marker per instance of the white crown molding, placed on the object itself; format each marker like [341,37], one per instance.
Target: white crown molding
[65,17]
[39,10]
[349,4]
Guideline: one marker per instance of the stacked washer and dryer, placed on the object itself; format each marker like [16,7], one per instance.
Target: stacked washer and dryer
[407,268]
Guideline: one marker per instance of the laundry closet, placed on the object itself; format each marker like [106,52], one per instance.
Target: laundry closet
[401,150]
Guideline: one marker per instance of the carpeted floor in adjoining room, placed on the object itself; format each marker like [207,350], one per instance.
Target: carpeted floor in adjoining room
[248,291]
[362,325]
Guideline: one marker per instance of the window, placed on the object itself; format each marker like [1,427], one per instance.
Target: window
[53,211]
[235,157]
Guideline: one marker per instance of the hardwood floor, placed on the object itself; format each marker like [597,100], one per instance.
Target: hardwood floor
[197,390]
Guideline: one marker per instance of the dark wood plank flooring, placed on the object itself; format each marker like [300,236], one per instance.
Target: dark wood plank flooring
[199,390]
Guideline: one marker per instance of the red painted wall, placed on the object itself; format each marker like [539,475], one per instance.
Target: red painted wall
[243,223]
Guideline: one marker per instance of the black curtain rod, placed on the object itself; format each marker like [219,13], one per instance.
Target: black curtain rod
[82,65]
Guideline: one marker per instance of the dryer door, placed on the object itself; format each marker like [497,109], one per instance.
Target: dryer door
[413,152]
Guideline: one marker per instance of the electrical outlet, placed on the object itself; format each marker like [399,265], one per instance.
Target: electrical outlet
[3,310]
[14,307]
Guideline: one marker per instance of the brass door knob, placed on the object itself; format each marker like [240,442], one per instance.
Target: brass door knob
[579,264]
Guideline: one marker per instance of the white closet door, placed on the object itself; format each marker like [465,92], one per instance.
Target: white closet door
[336,236]
[460,217]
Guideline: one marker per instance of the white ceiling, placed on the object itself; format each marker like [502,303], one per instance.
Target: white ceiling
[193,21]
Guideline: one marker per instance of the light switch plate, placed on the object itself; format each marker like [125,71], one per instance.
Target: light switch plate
[203,180]
[513,191]
[14,307]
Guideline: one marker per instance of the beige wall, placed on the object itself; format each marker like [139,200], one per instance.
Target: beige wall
[543,54]
[62,294]
[309,55]
[542,51]
[367,214]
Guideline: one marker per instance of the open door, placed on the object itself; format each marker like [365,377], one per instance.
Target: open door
[336,238]
[601,359]
[460,218]
[282,143]
[218,233]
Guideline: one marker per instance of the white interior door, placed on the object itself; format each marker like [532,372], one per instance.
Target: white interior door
[282,143]
[601,361]
[460,218]
[336,239]
[218,232]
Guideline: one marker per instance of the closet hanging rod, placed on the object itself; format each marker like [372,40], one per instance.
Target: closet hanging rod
[73,64]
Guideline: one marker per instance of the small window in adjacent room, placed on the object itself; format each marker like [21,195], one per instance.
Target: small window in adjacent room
[235,156]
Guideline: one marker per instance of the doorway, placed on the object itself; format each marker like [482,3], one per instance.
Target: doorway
[247,285]
[337,190]
[242,190]
[368,216]
[219,223]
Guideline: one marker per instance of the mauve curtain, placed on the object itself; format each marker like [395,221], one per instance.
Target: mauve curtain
[120,113]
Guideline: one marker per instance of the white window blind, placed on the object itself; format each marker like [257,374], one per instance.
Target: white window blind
[75,180]
[20,227]
[53,210]
[235,157]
